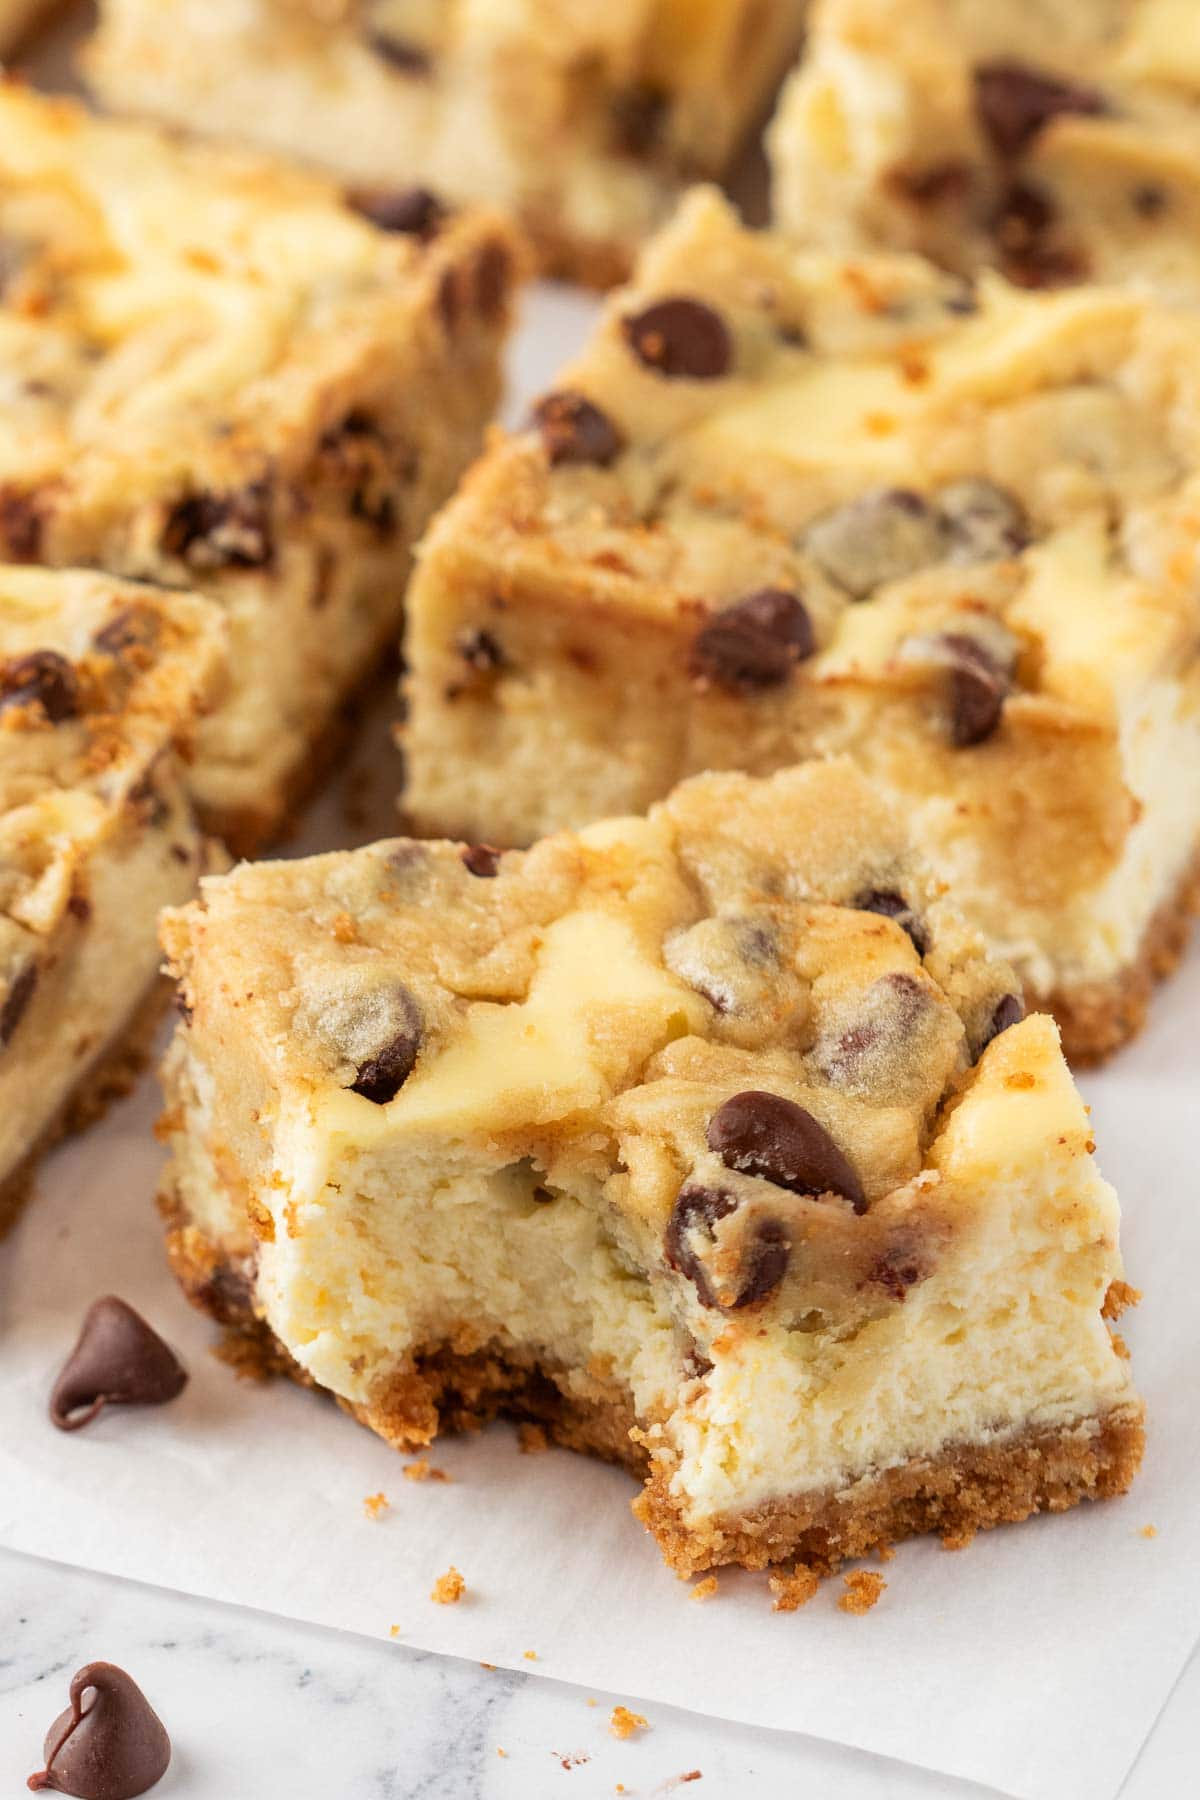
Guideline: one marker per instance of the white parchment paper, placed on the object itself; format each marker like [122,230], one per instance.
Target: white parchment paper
[1035,1662]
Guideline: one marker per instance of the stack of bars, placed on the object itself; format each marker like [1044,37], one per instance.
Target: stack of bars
[808,695]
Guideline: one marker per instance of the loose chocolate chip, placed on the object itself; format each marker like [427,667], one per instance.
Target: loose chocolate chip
[42,678]
[892,905]
[221,531]
[574,430]
[986,522]
[1008,1011]
[400,53]
[1014,103]
[112,1746]
[754,645]
[118,1360]
[682,339]
[881,536]
[480,651]
[639,115]
[978,687]
[16,1001]
[765,1135]
[482,860]
[696,1212]
[412,212]
[382,1075]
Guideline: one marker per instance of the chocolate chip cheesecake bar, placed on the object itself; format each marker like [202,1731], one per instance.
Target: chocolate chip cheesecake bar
[1057,139]
[789,504]
[101,686]
[223,374]
[585,120]
[711,1140]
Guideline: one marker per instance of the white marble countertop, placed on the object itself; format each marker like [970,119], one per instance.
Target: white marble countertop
[261,1708]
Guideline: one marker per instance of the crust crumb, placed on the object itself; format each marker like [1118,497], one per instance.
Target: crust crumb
[375,1505]
[793,1591]
[449,1588]
[625,1724]
[863,1589]
[1119,1296]
[885,1553]
[1149,1531]
[530,1655]
[344,929]
[393,1631]
[423,1470]
[1119,1345]
[531,1439]
[704,1590]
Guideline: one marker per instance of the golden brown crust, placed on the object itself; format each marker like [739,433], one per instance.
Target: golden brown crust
[109,1078]
[1098,1018]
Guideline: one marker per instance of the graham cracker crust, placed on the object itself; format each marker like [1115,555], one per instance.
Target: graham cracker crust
[1096,1018]
[110,1077]
[463,1385]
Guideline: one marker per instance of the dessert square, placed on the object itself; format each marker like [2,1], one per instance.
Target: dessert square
[789,504]
[102,684]
[585,121]
[220,373]
[709,1140]
[1058,141]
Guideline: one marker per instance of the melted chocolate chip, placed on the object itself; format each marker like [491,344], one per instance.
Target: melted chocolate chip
[696,1212]
[480,651]
[1014,103]
[754,645]
[42,678]
[1149,200]
[1031,251]
[680,338]
[978,687]
[1010,1010]
[574,430]
[21,524]
[936,184]
[16,1001]
[481,860]
[881,536]
[892,905]
[493,273]
[111,1746]
[897,1269]
[986,522]
[131,628]
[221,531]
[412,211]
[118,1360]
[382,1075]
[639,115]
[399,53]
[863,1055]
[765,1135]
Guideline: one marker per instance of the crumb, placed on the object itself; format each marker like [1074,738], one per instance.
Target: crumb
[1119,1345]
[958,1540]
[704,1590]
[592,1702]
[793,1591]
[574,1760]
[530,1655]
[531,1439]
[885,1553]
[393,1631]
[1119,1296]
[449,1588]
[422,1470]
[375,1505]
[1149,1531]
[490,1666]
[500,1752]
[243,1355]
[863,1589]
[623,1723]
[344,929]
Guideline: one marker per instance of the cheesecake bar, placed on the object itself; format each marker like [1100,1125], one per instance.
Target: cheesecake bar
[584,120]
[1056,139]
[221,374]
[102,683]
[710,1140]
[791,504]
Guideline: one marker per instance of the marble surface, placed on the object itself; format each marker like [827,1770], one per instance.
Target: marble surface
[258,1707]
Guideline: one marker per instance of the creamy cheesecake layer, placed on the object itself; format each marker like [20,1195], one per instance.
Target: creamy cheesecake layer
[719,1122]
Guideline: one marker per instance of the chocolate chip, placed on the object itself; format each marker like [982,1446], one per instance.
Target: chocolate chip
[897,1269]
[1014,103]
[480,651]
[765,1135]
[864,1055]
[639,115]
[400,53]
[680,338]
[112,1746]
[986,522]
[574,430]
[765,1252]
[221,531]
[1009,1010]
[493,274]
[754,645]
[118,1360]
[21,524]
[881,536]
[16,1001]
[1031,251]
[42,678]
[482,860]
[978,687]
[891,905]
[411,212]
[936,184]
[382,1075]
